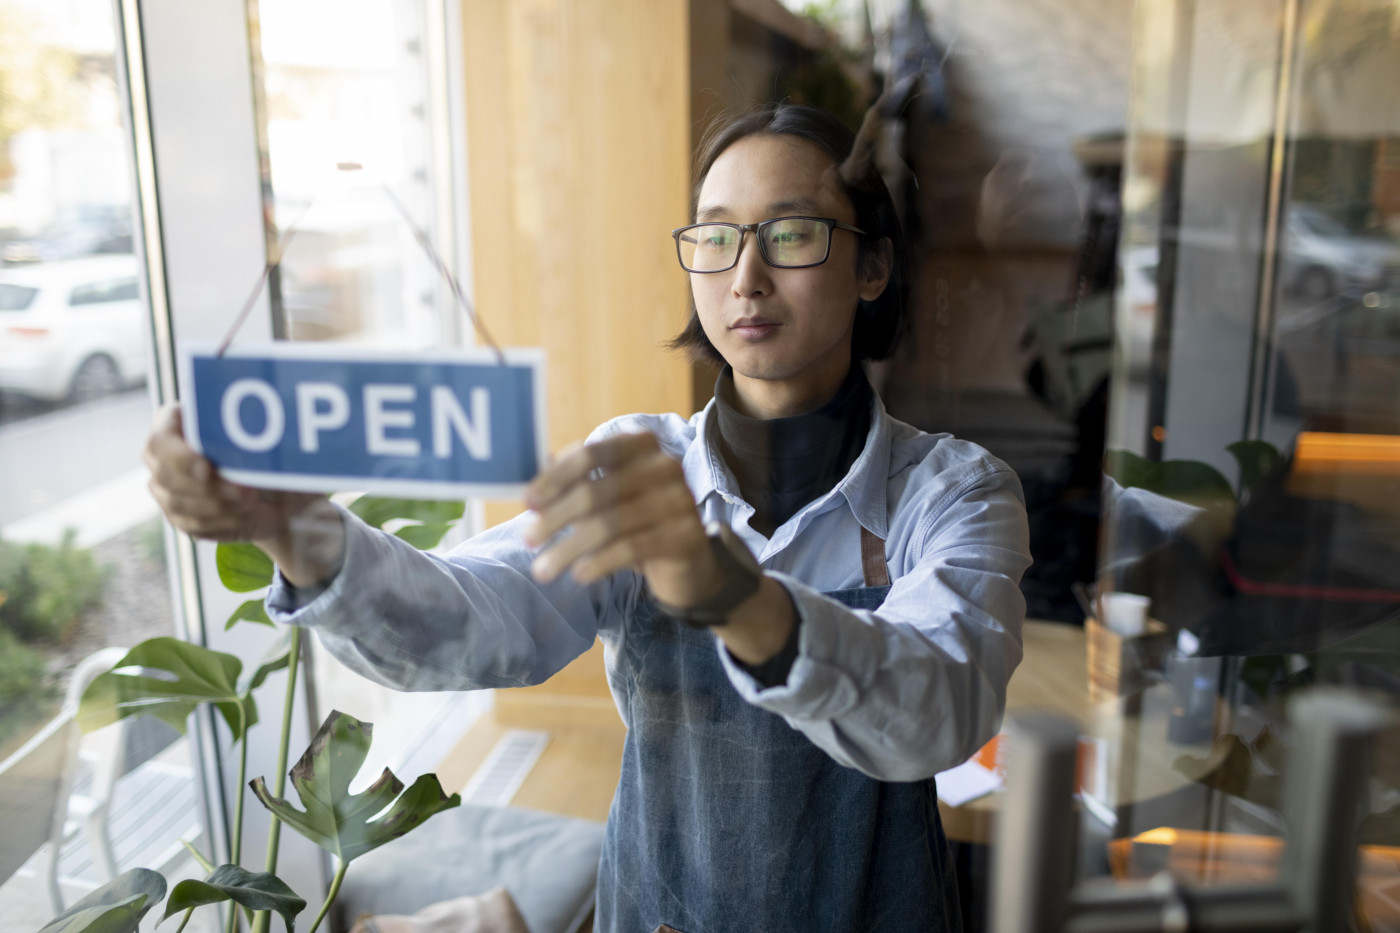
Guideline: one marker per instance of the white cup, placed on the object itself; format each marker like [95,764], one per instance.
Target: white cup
[1125,613]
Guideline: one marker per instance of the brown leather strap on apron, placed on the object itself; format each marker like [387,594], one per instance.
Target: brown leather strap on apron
[872,558]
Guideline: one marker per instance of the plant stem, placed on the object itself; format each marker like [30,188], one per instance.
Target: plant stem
[186,922]
[236,853]
[263,920]
[236,848]
[330,896]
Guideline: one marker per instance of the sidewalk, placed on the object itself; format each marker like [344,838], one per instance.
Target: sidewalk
[97,515]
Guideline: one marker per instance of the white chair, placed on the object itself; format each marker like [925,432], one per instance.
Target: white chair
[36,784]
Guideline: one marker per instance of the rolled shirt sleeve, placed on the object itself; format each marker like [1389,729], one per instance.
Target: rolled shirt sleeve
[471,619]
[918,685]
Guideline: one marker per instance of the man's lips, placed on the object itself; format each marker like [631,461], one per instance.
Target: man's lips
[751,328]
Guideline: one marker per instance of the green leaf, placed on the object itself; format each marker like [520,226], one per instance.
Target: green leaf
[1127,468]
[198,856]
[243,567]
[424,536]
[275,659]
[1186,480]
[341,822]
[376,510]
[250,611]
[1256,459]
[252,890]
[192,675]
[116,907]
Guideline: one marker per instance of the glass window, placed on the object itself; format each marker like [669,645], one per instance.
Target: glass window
[1252,453]
[104,292]
[349,129]
[1151,269]
[83,573]
[16,297]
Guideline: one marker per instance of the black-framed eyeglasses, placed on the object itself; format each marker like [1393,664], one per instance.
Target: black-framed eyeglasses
[784,242]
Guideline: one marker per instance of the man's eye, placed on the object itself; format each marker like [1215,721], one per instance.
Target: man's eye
[788,238]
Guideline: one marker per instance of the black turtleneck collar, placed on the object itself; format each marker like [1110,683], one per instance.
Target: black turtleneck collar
[781,464]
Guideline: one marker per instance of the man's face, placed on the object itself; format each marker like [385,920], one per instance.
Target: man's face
[774,324]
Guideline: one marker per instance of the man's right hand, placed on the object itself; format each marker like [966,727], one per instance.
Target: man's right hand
[302,532]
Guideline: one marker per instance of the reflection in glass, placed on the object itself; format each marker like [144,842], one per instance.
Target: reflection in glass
[82,555]
[1254,445]
[348,85]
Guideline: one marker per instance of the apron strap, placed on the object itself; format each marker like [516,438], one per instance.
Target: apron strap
[872,558]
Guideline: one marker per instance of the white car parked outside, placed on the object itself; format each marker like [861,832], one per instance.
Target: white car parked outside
[72,329]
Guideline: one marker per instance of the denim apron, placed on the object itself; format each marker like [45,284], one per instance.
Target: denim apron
[728,819]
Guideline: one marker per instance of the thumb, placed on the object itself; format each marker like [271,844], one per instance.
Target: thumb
[169,419]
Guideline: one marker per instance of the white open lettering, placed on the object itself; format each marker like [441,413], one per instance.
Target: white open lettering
[448,417]
[231,409]
[378,419]
[312,419]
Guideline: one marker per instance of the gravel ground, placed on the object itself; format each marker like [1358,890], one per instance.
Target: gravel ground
[136,605]
[135,601]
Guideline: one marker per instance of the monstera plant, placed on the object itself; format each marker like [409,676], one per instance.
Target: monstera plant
[169,679]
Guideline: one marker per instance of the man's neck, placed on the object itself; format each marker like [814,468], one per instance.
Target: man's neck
[773,398]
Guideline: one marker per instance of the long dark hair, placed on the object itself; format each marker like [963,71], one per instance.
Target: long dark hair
[879,323]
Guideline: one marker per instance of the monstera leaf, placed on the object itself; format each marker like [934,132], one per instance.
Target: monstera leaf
[1256,460]
[116,907]
[1185,480]
[377,510]
[278,657]
[250,611]
[424,536]
[338,821]
[189,675]
[255,891]
[243,567]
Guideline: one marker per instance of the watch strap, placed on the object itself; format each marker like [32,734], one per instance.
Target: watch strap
[741,580]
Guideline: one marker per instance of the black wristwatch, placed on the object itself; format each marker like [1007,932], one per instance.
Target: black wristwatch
[741,575]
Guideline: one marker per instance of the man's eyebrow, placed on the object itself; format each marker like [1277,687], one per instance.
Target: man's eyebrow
[776,209]
[797,206]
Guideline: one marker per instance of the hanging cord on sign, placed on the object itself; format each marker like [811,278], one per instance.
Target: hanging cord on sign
[422,237]
[268,268]
[419,236]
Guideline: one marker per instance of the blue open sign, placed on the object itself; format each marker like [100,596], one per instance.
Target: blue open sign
[322,418]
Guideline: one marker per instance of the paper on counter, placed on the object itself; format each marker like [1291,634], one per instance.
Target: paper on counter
[966,782]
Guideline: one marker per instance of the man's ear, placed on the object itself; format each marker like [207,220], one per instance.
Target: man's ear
[875,268]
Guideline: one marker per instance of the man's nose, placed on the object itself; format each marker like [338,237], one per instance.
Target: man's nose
[752,275]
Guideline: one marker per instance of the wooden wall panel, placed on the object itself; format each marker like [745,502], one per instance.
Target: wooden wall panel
[578,122]
[579,149]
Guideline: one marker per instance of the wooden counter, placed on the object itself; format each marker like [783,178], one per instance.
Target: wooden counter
[1052,679]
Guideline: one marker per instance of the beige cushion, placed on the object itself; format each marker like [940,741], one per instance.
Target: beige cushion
[548,863]
[492,912]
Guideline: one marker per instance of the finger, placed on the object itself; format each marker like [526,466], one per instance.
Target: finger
[631,551]
[218,526]
[635,478]
[167,446]
[168,417]
[186,478]
[200,506]
[598,532]
[577,461]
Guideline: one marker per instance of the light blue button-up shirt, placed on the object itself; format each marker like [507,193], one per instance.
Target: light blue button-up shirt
[900,693]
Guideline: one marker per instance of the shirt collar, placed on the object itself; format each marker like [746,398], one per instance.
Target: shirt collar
[863,486]
[865,482]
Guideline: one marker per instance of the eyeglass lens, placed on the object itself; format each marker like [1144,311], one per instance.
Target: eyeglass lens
[791,241]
